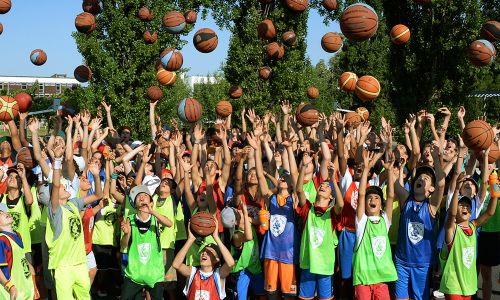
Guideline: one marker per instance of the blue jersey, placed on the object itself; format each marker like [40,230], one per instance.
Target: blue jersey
[281,241]
[416,246]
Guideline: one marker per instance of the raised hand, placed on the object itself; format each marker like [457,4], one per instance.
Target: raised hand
[306,159]
[421,116]
[94,169]
[126,226]
[445,111]
[58,149]
[286,108]
[33,125]
[461,113]
[251,116]
[21,170]
[106,107]
[23,115]
[197,132]
[252,141]
[388,162]
[85,116]
[365,128]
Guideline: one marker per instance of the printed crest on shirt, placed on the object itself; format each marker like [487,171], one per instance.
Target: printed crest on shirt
[278,224]
[379,246]
[468,256]
[144,252]
[415,232]
[316,236]
[201,295]
[26,269]
[75,227]
[17,218]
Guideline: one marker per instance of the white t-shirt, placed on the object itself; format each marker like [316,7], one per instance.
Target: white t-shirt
[361,225]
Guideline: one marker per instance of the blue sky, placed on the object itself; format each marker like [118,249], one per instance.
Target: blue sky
[49,24]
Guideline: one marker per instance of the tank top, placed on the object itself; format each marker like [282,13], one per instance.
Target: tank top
[20,274]
[206,288]
[310,191]
[88,227]
[106,226]
[37,221]
[281,241]
[194,252]
[249,258]
[128,210]
[348,214]
[21,221]
[167,234]
[416,244]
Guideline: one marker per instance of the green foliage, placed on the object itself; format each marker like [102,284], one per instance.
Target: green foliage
[209,94]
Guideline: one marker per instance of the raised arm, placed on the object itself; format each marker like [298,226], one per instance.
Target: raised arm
[226,268]
[339,199]
[415,146]
[360,210]
[437,196]
[226,166]
[178,262]
[152,122]
[22,129]
[449,226]
[306,160]
[460,117]
[33,127]
[28,197]
[485,173]
[56,177]
[108,112]
[326,156]
[14,135]
[198,139]
[388,164]
[254,142]
[94,169]
[342,156]
[68,157]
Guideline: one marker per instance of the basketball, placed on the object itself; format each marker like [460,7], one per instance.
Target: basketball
[491,31]
[274,51]
[83,73]
[347,81]
[8,108]
[367,88]
[5,6]
[235,91]
[202,223]
[478,135]
[205,40]
[174,22]
[224,108]
[359,22]
[26,156]
[264,72]
[296,5]
[400,34]
[191,16]
[481,53]
[150,37]
[266,30]
[154,93]
[363,113]
[306,115]
[331,42]
[312,92]
[330,4]
[24,101]
[1,28]
[38,57]
[144,13]
[171,59]
[85,22]
[289,38]
[165,77]
[493,156]
[92,6]
[189,110]
[352,119]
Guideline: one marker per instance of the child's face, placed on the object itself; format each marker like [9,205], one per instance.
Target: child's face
[5,219]
[373,205]
[208,257]
[202,200]
[63,194]
[324,190]
[423,185]
[463,212]
[142,200]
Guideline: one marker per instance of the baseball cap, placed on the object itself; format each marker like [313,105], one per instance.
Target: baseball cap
[373,189]
[466,200]
[228,217]
[3,207]
[425,170]
[136,190]
[474,182]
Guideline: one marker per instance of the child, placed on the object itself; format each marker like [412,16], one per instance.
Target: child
[208,280]
[459,279]
[15,275]
[373,265]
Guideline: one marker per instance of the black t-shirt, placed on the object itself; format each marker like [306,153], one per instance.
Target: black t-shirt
[142,226]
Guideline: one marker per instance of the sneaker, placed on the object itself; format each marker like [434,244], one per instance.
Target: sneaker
[438,295]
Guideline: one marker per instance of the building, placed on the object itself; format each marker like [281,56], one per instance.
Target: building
[47,86]
[192,80]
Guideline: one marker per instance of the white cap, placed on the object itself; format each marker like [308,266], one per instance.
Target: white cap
[136,190]
[136,144]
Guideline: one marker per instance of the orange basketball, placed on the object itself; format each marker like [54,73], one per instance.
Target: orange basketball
[331,42]
[144,13]
[481,53]
[174,22]
[493,156]
[347,81]
[274,51]
[191,16]
[491,31]
[478,135]
[165,77]
[24,101]
[400,34]
[171,59]
[330,4]
[5,6]
[359,22]
[266,30]
[150,37]
[8,108]
[85,22]
[202,223]
[26,156]
[235,91]
[1,28]
[297,5]
[363,113]
[205,40]
[367,88]
[352,119]
[189,110]
[82,73]
[306,115]
[312,92]
[92,6]
[38,57]
[264,72]
[154,93]
[289,38]
[224,108]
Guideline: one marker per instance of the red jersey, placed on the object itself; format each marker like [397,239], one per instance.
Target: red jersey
[253,207]
[203,289]
[88,228]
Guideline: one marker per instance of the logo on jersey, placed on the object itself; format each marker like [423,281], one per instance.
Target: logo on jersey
[354,199]
[75,227]
[278,224]
[110,218]
[26,269]
[16,217]
[316,236]
[468,256]
[378,246]
[144,252]
[415,232]
[202,295]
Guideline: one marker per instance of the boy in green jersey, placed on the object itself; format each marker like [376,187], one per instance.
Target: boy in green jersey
[372,262]
[459,280]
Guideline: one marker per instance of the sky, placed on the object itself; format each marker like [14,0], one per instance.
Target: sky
[49,25]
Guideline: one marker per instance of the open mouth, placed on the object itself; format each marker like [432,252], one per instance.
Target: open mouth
[373,205]
[418,185]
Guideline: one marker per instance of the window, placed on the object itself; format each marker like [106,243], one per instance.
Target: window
[24,86]
[41,89]
[58,88]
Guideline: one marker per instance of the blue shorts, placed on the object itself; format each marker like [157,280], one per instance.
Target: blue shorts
[245,279]
[347,241]
[413,282]
[124,257]
[311,283]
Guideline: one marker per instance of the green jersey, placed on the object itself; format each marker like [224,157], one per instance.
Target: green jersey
[37,220]
[249,258]
[106,226]
[167,234]
[310,191]
[21,221]
[20,274]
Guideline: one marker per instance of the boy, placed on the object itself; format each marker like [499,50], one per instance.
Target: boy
[459,279]
[208,280]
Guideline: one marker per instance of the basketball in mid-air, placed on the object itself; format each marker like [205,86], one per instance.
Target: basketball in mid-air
[8,108]
[347,81]
[367,88]
[205,40]
[82,73]
[174,22]
[171,59]
[24,101]
[481,53]
[224,108]
[359,22]
[306,115]
[85,22]
[189,110]
[478,135]
[38,57]
[400,34]
[331,42]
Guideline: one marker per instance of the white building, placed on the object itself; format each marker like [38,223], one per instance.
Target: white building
[47,86]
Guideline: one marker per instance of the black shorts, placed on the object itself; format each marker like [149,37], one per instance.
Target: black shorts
[105,256]
[36,255]
[489,243]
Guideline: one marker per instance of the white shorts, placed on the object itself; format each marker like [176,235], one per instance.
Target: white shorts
[91,264]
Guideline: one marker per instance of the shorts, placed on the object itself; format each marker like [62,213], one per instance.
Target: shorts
[48,276]
[91,264]
[347,241]
[379,291]
[105,256]
[315,284]
[274,272]
[245,280]
[413,282]
[170,272]
[488,253]
[36,253]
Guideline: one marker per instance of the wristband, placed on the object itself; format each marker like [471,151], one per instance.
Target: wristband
[114,176]
[57,163]
[8,285]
